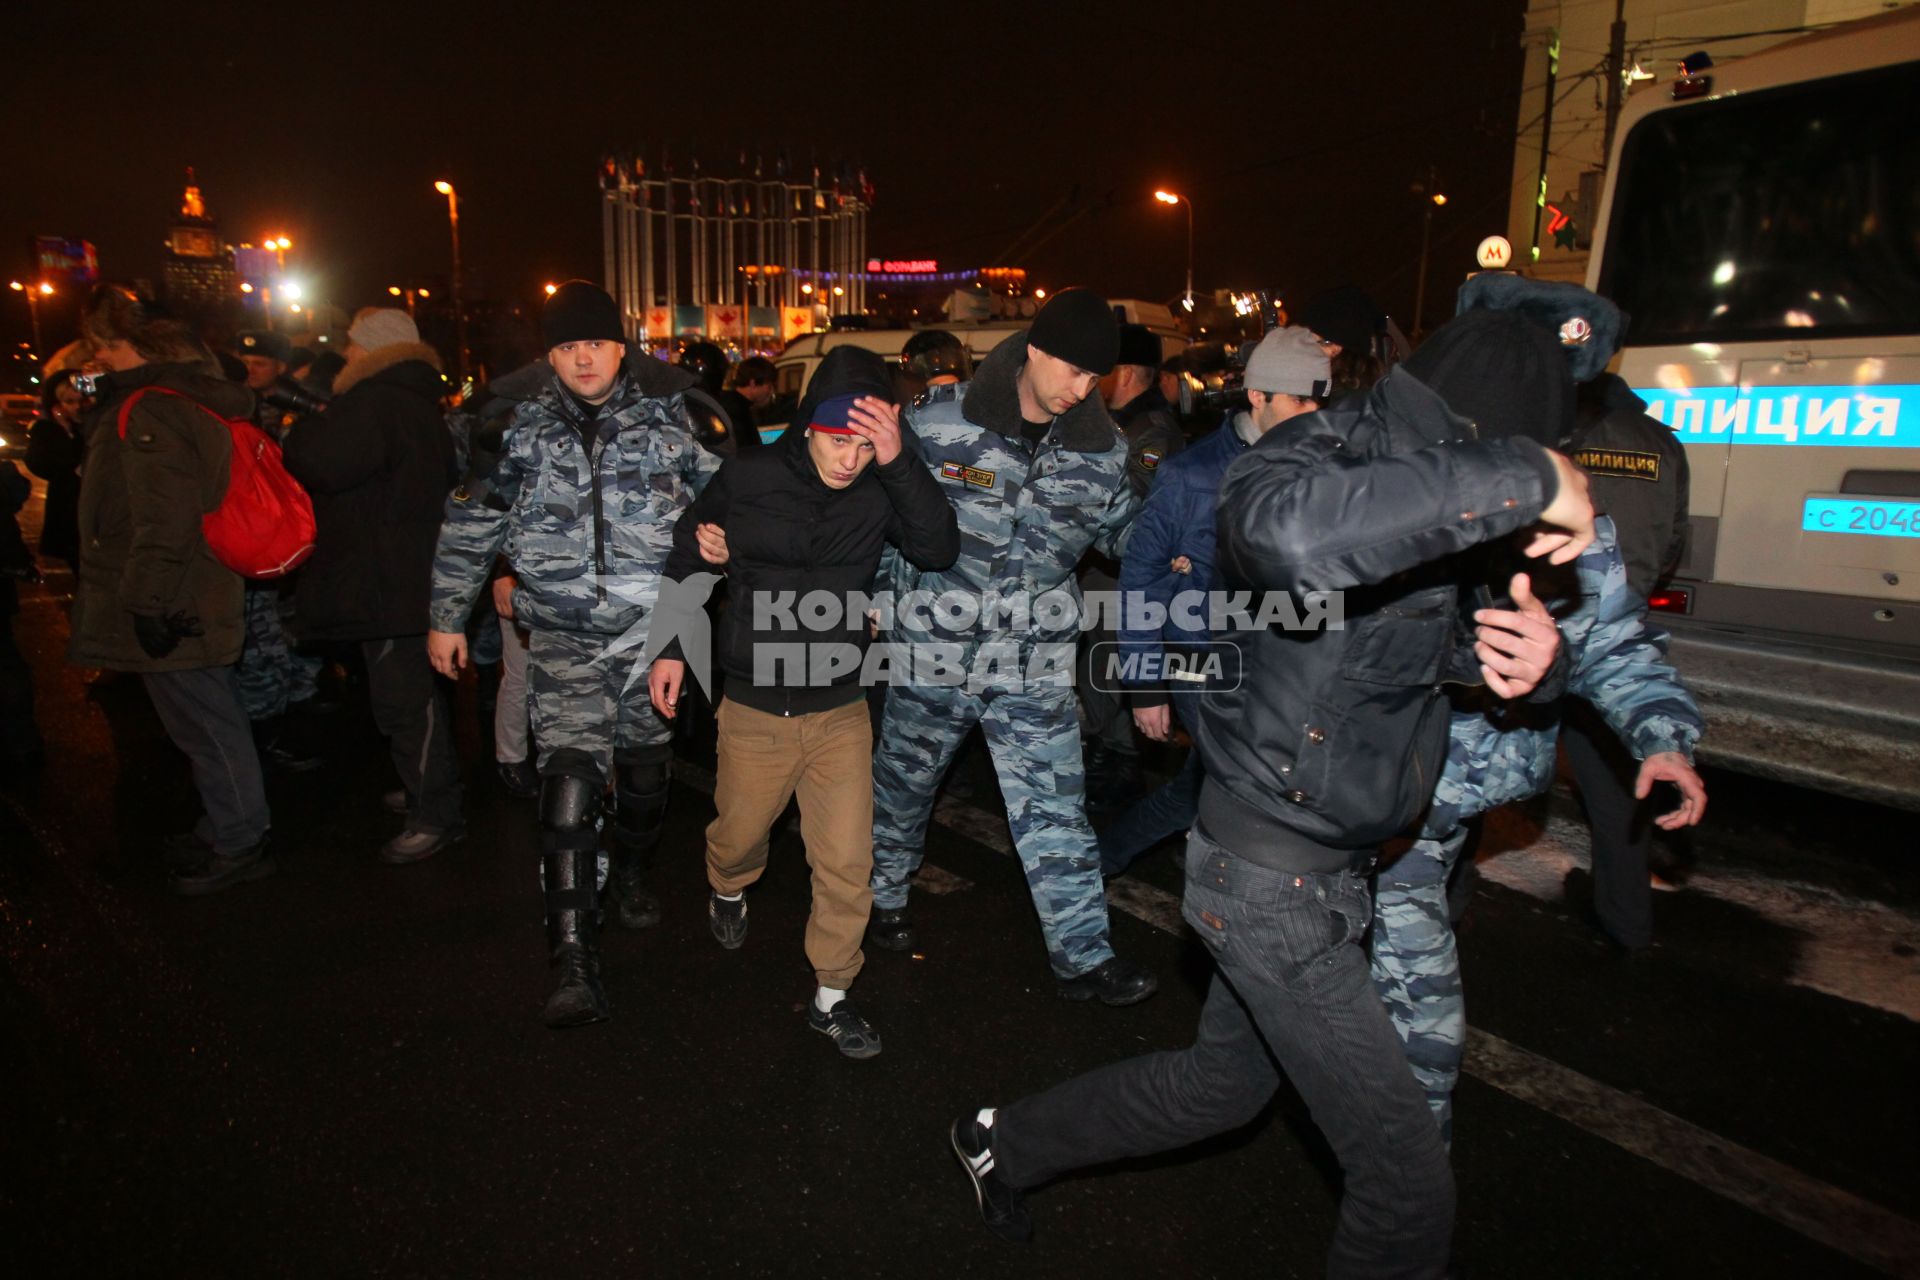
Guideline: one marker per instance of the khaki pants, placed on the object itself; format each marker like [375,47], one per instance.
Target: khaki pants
[827,758]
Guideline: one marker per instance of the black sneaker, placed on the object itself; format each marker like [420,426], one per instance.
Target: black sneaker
[891,930]
[519,778]
[1001,1205]
[728,920]
[1116,982]
[417,844]
[852,1033]
[223,871]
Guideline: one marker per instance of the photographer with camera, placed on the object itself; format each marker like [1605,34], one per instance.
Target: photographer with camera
[151,597]
[379,464]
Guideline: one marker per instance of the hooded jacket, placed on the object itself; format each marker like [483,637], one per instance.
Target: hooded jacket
[1332,740]
[141,500]
[377,463]
[1026,513]
[789,533]
[585,516]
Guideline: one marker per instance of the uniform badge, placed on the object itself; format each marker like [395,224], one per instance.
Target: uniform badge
[1575,332]
[1150,459]
[952,471]
[1626,464]
[969,475]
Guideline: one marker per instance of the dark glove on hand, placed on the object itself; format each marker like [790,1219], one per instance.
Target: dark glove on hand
[161,636]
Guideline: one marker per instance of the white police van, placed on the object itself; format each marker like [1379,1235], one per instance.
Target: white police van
[1762,229]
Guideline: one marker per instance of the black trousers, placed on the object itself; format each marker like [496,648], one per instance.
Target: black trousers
[1622,826]
[408,708]
[19,735]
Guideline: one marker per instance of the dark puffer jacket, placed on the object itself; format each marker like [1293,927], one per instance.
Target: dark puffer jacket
[1333,739]
[141,501]
[379,464]
[790,533]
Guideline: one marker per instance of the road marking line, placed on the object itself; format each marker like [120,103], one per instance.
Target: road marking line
[1858,950]
[1838,1219]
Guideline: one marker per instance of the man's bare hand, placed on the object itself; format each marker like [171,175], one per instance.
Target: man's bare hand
[1155,722]
[1671,766]
[447,651]
[503,596]
[663,685]
[713,543]
[1180,564]
[1569,516]
[1516,646]
[878,423]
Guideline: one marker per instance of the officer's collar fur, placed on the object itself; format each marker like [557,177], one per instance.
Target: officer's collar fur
[381,359]
[993,401]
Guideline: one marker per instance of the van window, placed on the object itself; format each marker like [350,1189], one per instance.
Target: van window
[788,379]
[1790,212]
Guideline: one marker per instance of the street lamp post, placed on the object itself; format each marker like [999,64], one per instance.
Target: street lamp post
[1168,197]
[459,311]
[34,293]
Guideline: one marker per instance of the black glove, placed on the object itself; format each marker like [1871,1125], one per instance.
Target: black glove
[161,636]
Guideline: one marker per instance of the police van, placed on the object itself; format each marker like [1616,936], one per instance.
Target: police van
[1761,226]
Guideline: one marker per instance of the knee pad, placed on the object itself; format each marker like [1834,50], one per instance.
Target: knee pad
[570,789]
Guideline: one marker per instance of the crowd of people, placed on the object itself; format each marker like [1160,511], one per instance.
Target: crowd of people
[1371,599]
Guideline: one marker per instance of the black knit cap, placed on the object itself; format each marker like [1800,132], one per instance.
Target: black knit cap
[1503,372]
[1345,315]
[581,311]
[1078,326]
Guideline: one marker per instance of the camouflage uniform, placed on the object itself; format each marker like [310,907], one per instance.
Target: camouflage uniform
[1505,753]
[587,531]
[1026,514]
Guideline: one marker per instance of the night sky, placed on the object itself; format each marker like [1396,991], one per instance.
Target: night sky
[1298,129]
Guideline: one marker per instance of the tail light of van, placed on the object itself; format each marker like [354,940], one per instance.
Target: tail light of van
[1671,600]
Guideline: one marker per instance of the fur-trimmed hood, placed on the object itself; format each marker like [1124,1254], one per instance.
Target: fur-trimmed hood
[1588,327]
[993,401]
[377,362]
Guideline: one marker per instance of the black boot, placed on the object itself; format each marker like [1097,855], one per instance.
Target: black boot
[640,810]
[573,939]
[570,869]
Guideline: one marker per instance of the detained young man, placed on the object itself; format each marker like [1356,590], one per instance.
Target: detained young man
[810,514]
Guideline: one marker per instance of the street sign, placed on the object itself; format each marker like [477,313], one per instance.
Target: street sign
[1494,253]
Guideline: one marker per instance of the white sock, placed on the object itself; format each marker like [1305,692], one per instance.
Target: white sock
[729,897]
[825,998]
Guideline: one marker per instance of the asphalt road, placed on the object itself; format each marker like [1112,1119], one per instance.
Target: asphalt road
[341,1069]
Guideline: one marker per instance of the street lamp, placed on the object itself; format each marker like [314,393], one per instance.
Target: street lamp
[34,293]
[1434,200]
[279,245]
[445,188]
[1168,197]
[552,288]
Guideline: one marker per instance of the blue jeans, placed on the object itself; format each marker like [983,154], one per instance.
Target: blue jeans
[1292,983]
[1165,811]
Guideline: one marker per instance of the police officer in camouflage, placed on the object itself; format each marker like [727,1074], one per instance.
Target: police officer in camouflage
[598,462]
[1037,475]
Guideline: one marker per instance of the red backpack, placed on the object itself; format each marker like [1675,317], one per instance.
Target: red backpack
[263,527]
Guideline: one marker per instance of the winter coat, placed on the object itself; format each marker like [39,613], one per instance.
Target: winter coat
[141,500]
[1332,740]
[1637,471]
[1152,436]
[790,533]
[1177,520]
[378,464]
[1027,514]
[587,523]
[54,454]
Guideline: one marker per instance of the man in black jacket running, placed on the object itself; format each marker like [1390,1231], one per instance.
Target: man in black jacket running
[1330,745]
